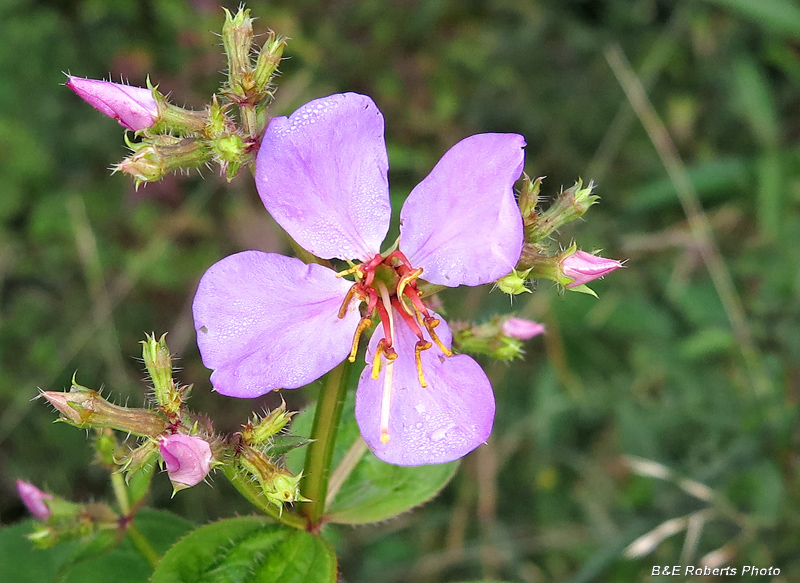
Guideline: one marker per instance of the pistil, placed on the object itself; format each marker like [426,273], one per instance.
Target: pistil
[386,401]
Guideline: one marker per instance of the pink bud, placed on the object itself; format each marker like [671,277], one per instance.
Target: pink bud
[34,499]
[133,107]
[187,458]
[584,267]
[522,329]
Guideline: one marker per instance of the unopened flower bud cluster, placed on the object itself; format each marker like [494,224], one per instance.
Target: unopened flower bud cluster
[185,443]
[171,138]
[571,268]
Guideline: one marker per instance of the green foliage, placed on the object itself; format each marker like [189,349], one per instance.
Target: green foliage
[87,561]
[247,548]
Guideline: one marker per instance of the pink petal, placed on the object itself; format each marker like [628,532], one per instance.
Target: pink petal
[583,267]
[439,423]
[188,458]
[266,322]
[34,499]
[133,107]
[522,329]
[322,176]
[461,224]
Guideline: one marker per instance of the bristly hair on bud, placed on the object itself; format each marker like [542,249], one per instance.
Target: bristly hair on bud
[84,407]
[169,395]
[514,283]
[261,431]
[569,205]
[529,198]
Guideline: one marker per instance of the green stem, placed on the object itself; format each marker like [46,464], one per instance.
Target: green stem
[121,493]
[319,455]
[249,120]
[250,491]
[143,545]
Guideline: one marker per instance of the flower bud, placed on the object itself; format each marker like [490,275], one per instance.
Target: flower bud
[488,339]
[261,431]
[248,84]
[137,459]
[188,459]
[277,484]
[268,60]
[522,329]
[84,407]
[514,282]
[158,361]
[237,38]
[133,107]
[571,204]
[157,156]
[581,267]
[34,499]
[529,198]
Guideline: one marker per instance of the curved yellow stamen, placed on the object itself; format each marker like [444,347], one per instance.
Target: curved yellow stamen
[347,299]
[420,346]
[430,324]
[355,269]
[385,351]
[401,286]
[362,325]
[376,361]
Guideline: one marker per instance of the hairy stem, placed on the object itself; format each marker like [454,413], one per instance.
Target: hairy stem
[323,434]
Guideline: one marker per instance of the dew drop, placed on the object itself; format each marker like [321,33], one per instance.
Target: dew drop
[439,434]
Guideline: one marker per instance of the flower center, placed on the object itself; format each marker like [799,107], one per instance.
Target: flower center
[386,284]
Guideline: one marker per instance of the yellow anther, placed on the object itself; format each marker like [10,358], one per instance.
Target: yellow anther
[362,325]
[384,436]
[355,269]
[376,364]
[420,346]
[346,303]
[382,350]
[430,325]
[401,285]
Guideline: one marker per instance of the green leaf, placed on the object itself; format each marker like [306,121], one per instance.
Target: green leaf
[282,444]
[21,562]
[70,562]
[248,549]
[374,491]
[778,16]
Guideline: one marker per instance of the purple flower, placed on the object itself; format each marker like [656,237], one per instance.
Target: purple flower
[133,107]
[34,499]
[266,322]
[522,329]
[188,459]
[584,267]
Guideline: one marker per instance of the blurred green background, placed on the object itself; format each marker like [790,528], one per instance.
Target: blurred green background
[669,365]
